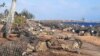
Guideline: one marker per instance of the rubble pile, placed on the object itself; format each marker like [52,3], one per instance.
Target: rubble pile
[36,40]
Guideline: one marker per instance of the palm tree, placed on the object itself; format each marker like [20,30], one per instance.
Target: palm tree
[9,20]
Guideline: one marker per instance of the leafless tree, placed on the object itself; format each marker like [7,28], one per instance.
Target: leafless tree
[9,20]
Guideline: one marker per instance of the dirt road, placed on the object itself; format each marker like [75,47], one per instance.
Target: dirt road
[90,49]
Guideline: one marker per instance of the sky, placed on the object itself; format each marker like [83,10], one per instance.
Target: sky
[59,9]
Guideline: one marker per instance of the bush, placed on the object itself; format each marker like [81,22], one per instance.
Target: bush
[19,20]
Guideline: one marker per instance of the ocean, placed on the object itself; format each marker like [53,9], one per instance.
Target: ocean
[83,23]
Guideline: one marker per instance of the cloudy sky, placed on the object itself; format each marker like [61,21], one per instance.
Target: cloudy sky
[59,9]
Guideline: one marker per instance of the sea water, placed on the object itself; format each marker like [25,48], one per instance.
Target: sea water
[83,23]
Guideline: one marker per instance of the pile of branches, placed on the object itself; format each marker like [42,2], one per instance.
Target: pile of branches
[12,48]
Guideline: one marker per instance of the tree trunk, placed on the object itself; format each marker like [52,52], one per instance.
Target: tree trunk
[9,20]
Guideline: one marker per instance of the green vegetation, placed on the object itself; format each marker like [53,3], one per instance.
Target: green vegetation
[27,14]
[19,20]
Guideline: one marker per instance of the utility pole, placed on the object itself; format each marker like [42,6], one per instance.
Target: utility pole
[83,19]
[9,20]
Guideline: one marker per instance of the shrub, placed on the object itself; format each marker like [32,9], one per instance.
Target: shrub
[19,20]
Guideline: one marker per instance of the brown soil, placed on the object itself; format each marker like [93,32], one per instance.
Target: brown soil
[91,47]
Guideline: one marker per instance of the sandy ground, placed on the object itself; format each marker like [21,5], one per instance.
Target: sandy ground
[87,50]
[90,47]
